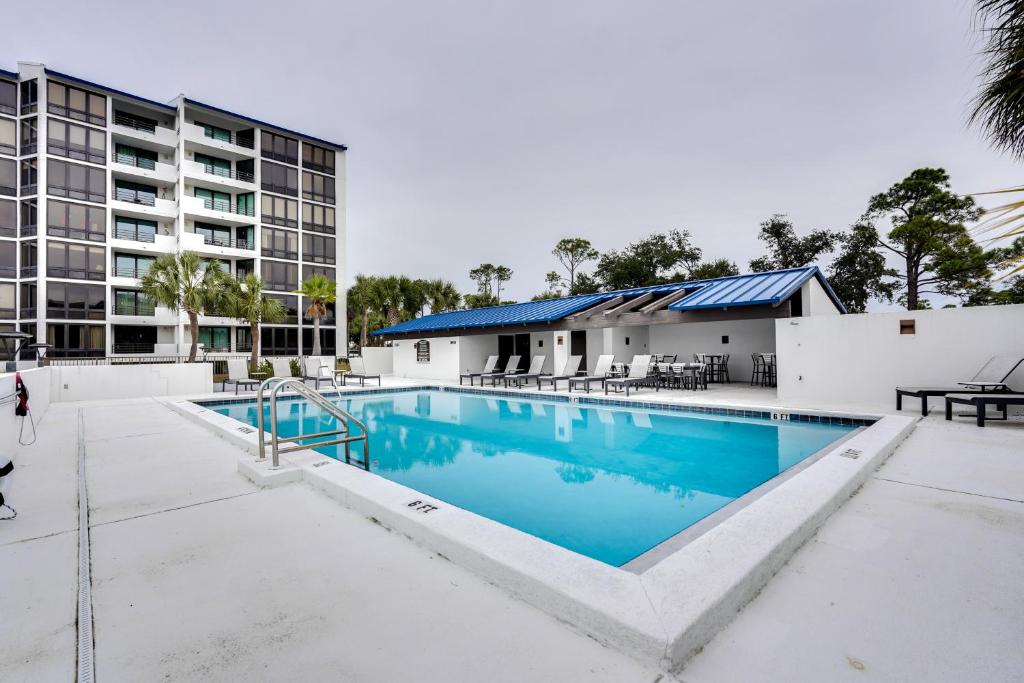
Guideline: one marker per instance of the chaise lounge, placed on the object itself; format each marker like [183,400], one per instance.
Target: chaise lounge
[601,370]
[238,374]
[535,371]
[488,369]
[511,368]
[572,366]
[989,379]
[639,370]
[358,371]
[981,402]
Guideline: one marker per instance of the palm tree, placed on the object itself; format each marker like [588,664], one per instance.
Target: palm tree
[184,282]
[361,297]
[390,297]
[442,296]
[318,291]
[246,301]
[999,108]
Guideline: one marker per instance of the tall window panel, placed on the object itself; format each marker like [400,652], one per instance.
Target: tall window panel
[319,188]
[29,96]
[75,261]
[75,181]
[8,218]
[75,103]
[279,243]
[318,248]
[280,179]
[27,305]
[29,259]
[29,176]
[280,277]
[279,211]
[309,271]
[76,142]
[70,301]
[8,98]
[29,143]
[9,177]
[279,341]
[318,218]
[317,158]
[279,148]
[7,295]
[8,136]
[76,341]
[29,218]
[291,307]
[9,259]
[76,221]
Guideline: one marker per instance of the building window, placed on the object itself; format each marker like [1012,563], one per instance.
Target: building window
[76,221]
[134,229]
[64,179]
[243,267]
[213,165]
[291,307]
[76,142]
[327,319]
[245,203]
[9,259]
[318,218]
[279,341]
[75,261]
[29,96]
[318,249]
[132,302]
[8,98]
[134,193]
[422,351]
[28,300]
[29,176]
[215,338]
[133,156]
[71,341]
[76,302]
[310,271]
[7,307]
[317,187]
[29,259]
[280,211]
[9,177]
[317,158]
[134,121]
[223,236]
[74,103]
[29,217]
[278,178]
[29,135]
[131,265]
[327,341]
[279,243]
[8,137]
[280,277]
[279,148]
[8,218]
[243,339]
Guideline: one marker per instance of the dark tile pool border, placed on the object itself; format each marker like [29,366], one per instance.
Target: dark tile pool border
[843,420]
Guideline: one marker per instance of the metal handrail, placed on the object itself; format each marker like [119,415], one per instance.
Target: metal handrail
[342,416]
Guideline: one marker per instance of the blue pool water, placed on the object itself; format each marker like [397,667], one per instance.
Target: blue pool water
[606,482]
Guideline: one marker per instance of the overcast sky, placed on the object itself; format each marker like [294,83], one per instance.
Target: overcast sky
[484,132]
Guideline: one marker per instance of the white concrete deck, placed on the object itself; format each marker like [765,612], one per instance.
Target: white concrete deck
[197,574]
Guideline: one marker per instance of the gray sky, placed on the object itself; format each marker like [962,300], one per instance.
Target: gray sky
[487,131]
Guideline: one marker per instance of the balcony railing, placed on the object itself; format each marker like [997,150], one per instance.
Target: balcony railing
[242,139]
[27,189]
[134,197]
[228,241]
[133,234]
[133,308]
[28,312]
[75,313]
[29,148]
[132,160]
[75,273]
[129,121]
[29,271]
[131,271]
[226,205]
[28,231]
[244,176]
[134,347]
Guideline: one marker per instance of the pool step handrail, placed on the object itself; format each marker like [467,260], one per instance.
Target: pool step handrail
[344,418]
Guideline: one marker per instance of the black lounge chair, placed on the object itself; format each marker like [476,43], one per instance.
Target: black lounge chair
[981,402]
[601,370]
[572,366]
[639,375]
[535,371]
[511,368]
[358,372]
[488,369]
[990,379]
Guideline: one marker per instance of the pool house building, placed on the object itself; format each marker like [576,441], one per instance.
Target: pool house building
[732,315]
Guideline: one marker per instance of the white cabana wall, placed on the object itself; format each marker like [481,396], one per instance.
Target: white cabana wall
[744,338]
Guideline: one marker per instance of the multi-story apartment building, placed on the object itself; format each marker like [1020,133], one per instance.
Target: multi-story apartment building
[95,183]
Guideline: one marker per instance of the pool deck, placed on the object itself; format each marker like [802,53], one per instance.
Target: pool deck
[197,573]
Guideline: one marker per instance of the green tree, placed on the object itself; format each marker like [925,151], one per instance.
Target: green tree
[709,270]
[442,296]
[479,300]
[361,297]
[859,272]
[929,236]
[483,275]
[502,274]
[185,282]
[572,252]
[786,249]
[650,261]
[245,301]
[585,284]
[554,282]
[318,291]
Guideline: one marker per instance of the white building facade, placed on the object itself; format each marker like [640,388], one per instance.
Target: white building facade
[96,183]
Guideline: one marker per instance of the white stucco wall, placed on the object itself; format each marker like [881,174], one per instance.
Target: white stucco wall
[92,382]
[745,337]
[473,352]
[815,300]
[615,342]
[860,359]
[379,360]
[547,349]
[444,359]
[37,381]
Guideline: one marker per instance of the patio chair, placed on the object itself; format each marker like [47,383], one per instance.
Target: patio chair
[990,378]
[358,371]
[601,370]
[282,367]
[981,402]
[638,375]
[315,368]
[511,368]
[238,374]
[535,371]
[572,366]
[488,368]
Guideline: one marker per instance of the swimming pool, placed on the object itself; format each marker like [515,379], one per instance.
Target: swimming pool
[606,481]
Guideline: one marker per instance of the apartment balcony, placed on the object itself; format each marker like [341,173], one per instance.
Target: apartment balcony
[216,211]
[143,133]
[135,240]
[221,247]
[141,205]
[232,146]
[127,276]
[135,168]
[141,313]
[214,177]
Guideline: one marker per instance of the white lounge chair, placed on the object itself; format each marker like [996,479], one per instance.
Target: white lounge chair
[489,366]
[358,371]
[639,370]
[282,367]
[238,374]
[511,368]
[536,368]
[572,366]
[601,370]
[316,368]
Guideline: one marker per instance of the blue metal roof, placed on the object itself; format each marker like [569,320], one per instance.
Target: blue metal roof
[741,290]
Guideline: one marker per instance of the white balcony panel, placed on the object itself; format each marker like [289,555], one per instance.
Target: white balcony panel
[193,242]
[195,139]
[196,172]
[197,208]
[161,139]
[161,208]
[161,174]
